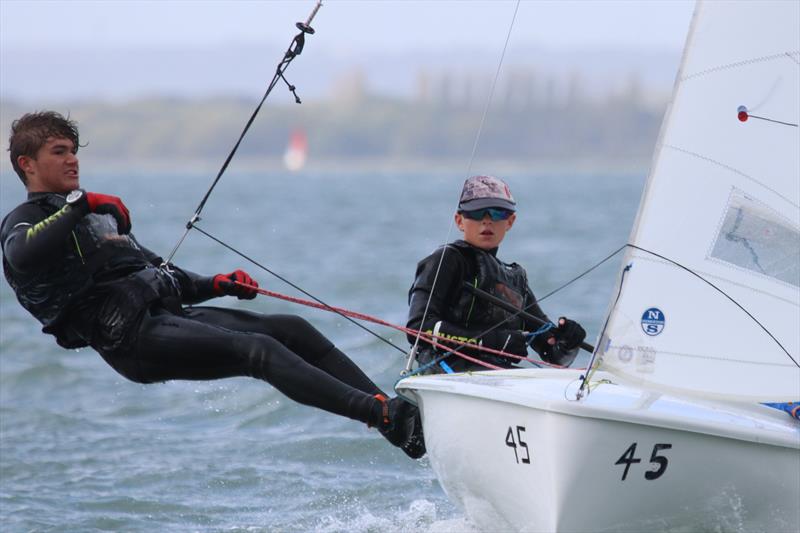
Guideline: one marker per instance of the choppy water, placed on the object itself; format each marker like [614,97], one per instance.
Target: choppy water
[81,449]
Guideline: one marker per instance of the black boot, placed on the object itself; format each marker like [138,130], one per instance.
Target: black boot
[397,420]
[415,447]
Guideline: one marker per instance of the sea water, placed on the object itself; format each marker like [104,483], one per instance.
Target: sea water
[82,449]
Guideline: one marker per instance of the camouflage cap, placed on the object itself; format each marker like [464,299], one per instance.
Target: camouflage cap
[480,192]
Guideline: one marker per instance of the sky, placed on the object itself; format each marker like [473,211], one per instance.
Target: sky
[92,47]
[387,24]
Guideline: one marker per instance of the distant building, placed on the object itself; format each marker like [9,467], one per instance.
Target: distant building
[351,87]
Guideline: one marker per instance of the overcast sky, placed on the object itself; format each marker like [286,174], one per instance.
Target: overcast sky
[379,23]
[90,47]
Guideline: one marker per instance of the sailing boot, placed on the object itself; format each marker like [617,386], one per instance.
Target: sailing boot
[415,447]
[397,420]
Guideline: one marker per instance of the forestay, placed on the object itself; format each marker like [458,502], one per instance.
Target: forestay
[722,200]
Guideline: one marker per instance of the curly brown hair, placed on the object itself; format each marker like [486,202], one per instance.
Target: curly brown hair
[31,131]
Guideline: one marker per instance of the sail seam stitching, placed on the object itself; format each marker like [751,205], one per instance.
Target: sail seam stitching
[734,170]
[702,356]
[726,280]
[790,54]
[753,273]
[725,294]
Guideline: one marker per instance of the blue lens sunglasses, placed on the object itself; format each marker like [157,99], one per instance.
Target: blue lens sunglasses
[494,213]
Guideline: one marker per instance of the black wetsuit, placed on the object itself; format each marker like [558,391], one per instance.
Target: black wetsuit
[88,285]
[456,313]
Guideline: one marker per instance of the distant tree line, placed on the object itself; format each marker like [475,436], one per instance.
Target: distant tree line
[365,127]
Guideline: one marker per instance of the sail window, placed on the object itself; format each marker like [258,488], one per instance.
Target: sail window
[754,237]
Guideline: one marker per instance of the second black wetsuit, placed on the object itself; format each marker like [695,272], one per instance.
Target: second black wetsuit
[456,313]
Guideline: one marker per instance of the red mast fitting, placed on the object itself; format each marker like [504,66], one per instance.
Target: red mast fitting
[743,116]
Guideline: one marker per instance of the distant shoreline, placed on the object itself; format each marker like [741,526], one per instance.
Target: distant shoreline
[167,166]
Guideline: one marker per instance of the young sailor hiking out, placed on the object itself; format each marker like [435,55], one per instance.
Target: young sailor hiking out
[73,263]
[440,304]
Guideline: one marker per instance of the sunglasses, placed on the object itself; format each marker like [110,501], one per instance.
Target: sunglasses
[494,213]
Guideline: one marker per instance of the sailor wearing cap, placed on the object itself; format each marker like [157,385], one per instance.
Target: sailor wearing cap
[486,212]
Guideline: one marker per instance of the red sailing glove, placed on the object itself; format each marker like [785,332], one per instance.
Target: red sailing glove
[226,284]
[105,204]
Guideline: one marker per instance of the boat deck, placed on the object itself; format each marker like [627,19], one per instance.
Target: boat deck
[554,390]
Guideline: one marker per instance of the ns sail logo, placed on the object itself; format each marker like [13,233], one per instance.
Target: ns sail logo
[653,321]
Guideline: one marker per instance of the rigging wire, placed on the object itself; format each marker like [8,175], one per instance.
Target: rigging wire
[350,315]
[436,340]
[413,351]
[293,285]
[407,370]
[294,50]
[430,338]
[579,276]
[491,91]
[592,367]
[726,295]
[426,337]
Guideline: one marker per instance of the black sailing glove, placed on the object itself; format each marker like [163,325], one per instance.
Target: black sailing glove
[569,334]
[559,345]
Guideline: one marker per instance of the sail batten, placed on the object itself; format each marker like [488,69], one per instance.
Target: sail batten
[760,182]
[722,202]
[792,55]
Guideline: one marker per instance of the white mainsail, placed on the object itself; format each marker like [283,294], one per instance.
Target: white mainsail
[722,200]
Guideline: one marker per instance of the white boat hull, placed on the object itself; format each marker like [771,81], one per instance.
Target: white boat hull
[517,455]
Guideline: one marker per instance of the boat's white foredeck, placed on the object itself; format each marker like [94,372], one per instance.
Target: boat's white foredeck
[554,390]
